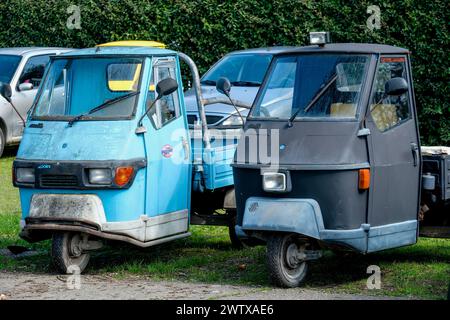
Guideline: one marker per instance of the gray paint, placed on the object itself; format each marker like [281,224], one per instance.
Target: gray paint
[389,207]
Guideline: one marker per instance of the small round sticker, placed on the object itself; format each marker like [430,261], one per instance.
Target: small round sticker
[167,151]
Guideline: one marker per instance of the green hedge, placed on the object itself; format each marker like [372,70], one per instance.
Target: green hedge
[208,29]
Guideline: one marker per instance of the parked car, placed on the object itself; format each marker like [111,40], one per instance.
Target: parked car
[245,69]
[22,69]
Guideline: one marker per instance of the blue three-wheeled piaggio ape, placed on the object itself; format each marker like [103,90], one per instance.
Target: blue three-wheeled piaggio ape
[330,156]
[107,153]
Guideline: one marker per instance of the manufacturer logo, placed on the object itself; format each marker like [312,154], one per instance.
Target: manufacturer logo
[167,151]
[44,166]
[253,207]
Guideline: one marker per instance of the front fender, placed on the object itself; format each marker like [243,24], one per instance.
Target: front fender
[302,216]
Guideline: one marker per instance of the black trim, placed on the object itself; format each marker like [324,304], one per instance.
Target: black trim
[76,171]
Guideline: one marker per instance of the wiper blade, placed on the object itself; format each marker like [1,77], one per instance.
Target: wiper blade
[101,107]
[208,82]
[316,97]
[246,83]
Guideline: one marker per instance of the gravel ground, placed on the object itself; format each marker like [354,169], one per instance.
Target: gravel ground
[25,286]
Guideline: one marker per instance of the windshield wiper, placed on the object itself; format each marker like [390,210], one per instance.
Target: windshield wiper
[101,107]
[313,101]
[208,82]
[246,83]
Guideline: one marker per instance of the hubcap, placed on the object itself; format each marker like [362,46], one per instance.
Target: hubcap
[75,246]
[291,256]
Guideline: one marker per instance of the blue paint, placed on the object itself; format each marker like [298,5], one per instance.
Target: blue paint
[165,185]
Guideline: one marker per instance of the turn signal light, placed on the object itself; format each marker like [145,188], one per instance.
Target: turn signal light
[364,179]
[123,175]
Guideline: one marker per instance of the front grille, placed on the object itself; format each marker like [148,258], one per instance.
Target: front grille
[51,180]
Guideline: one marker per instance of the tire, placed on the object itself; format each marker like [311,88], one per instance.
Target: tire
[63,258]
[2,142]
[281,272]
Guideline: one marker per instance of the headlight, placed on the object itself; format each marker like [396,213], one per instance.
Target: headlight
[274,181]
[100,176]
[25,175]
[234,120]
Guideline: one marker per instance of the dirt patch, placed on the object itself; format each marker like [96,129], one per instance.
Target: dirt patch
[93,287]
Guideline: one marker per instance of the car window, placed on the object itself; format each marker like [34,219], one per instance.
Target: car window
[167,108]
[8,66]
[313,86]
[34,70]
[123,76]
[388,111]
[240,69]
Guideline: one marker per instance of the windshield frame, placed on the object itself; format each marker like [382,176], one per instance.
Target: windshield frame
[269,54]
[19,61]
[66,118]
[364,93]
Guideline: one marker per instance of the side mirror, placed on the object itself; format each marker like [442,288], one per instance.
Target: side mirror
[223,85]
[5,91]
[166,87]
[26,87]
[396,87]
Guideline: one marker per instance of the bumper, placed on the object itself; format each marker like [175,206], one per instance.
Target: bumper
[303,216]
[85,213]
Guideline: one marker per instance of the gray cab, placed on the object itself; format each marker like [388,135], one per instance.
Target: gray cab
[21,72]
[330,156]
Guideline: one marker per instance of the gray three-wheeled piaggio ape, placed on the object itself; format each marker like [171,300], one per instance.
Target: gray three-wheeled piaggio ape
[330,155]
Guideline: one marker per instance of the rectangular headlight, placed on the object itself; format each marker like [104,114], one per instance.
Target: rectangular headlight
[25,175]
[100,176]
[319,38]
[274,181]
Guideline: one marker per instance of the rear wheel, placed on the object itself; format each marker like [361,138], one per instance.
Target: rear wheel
[2,142]
[67,254]
[284,260]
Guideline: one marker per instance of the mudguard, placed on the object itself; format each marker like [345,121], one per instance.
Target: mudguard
[301,216]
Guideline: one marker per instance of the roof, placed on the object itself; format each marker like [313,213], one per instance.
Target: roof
[26,50]
[347,48]
[120,50]
[265,50]
[133,43]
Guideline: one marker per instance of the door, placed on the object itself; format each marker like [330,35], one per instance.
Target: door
[168,154]
[31,74]
[395,160]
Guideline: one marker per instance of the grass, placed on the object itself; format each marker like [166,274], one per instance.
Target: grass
[419,271]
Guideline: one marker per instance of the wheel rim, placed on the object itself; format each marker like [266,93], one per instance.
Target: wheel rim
[293,268]
[75,252]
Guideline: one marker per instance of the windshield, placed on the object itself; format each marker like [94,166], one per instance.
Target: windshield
[240,69]
[8,66]
[313,86]
[79,86]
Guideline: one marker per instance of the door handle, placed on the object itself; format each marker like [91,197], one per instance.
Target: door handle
[415,151]
[187,151]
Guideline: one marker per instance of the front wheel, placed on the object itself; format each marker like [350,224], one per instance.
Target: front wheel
[67,253]
[285,260]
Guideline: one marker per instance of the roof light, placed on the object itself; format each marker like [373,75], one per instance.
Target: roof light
[319,38]
[133,43]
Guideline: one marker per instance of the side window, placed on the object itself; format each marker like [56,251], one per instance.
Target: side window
[34,70]
[168,107]
[388,111]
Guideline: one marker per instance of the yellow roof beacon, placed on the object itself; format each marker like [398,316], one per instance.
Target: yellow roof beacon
[134,43]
